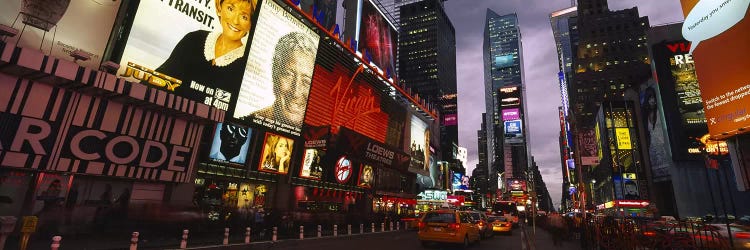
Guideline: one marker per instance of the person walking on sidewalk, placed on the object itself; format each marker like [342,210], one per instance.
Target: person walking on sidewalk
[558,229]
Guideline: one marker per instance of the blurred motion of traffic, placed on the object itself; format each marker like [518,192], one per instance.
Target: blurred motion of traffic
[331,124]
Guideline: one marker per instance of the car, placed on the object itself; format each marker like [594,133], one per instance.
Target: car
[717,235]
[500,224]
[447,226]
[481,220]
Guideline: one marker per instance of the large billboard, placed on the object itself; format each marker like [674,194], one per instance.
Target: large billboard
[277,154]
[720,44]
[193,49]
[503,61]
[511,114]
[341,96]
[419,146]
[231,143]
[279,71]
[323,8]
[510,97]
[316,145]
[656,136]
[68,26]
[361,148]
[377,37]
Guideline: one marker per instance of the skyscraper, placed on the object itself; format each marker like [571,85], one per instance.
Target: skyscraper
[504,95]
[427,63]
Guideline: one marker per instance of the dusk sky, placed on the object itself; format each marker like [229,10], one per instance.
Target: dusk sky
[540,66]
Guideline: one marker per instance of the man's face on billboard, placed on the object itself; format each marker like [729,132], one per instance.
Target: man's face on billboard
[294,84]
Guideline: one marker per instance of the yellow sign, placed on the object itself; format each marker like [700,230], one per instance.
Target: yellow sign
[628,176]
[623,138]
[29,224]
[609,204]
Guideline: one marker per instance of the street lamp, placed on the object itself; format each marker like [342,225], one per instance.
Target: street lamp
[593,192]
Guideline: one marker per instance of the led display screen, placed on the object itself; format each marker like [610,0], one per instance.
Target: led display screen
[231,143]
[450,119]
[279,71]
[185,48]
[377,37]
[513,128]
[68,26]
[277,154]
[419,146]
[323,8]
[456,182]
[511,114]
[341,96]
[510,97]
[720,44]
[503,61]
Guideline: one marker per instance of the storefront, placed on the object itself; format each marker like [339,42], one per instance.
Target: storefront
[431,200]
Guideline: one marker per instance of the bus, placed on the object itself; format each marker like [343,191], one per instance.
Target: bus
[506,209]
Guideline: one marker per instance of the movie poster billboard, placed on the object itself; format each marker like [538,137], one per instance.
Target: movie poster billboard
[720,44]
[366,176]
[361,148]
[419,146]
[316,145]
[68,26]
[279,71]
[231,143]
[277,154]
[185,48]
[657,140]
[341,96]
[377,37]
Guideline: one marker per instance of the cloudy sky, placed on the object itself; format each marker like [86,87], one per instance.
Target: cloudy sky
[540,66]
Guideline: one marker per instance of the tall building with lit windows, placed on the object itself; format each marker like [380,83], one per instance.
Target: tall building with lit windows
[427,63]
[507,150]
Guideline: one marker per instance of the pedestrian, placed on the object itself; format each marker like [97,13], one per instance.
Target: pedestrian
[259,219]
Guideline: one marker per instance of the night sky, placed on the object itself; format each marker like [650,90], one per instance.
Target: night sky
[540,66]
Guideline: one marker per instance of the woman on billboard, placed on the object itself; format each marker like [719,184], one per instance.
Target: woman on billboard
[213,58]
[277,153]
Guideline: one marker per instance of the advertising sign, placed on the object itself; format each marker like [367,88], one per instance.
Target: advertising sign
[456,183]
[343,170]
[277,153]
[311,167]
[588,143]
[419,149]
[720,44]
[374,153]
[186,49]
[517,185]
[503,61]
[341,97]
[324,8]
[433,195]
[513,128]
[656,136]
[623,138]
[366,176]
[279,71]
[508,161]
[231,143]
[510,97]
[377,37]
[68,26]
[511,114]
[450,119]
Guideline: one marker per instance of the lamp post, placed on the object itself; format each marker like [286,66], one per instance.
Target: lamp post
[593,192]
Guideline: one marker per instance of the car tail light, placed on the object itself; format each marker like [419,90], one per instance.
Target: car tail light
[649,233]
[481,224]
[420,225]
[742,235]
[454,226]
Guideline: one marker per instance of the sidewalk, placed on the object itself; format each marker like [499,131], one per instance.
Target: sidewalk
[543,240]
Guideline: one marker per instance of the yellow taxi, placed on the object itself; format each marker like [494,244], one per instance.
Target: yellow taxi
[501,224]
[447,226]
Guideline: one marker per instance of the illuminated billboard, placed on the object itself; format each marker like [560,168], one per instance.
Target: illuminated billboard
[513,128]
[720,44]
[311,165]
[366,176]
[458,182]
[516,185]
[277,154]
[511,114]
[323,8]
[68,26]
[186,49]
[341,96]
[503,61]
[419,146]
[450,119]
[377,37]
[231,143]
[657,140]
[279,71]
[509,97]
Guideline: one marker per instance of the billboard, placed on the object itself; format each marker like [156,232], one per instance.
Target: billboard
[513,129]
[511,114]
[277,153]
[419,146]
[516,185]
[720,44]
[503,61]
[279,71]
[324,8]
[341,96]
[361,148]
[343,170]
[366,176]
[186,49]
[623,138]
[657,140]
[510,97]
[377,37]
[231,143]
[316,144]
[69,26]
[460,182]
[589,145]
[450,119]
